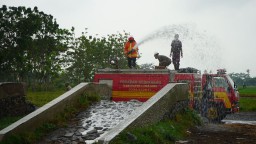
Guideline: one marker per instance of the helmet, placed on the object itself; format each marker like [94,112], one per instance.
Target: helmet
[156,53]
[131,38]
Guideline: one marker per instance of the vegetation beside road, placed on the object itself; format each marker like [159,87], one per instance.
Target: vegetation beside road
[247,98]
[6,121]
[166,131]
[249,91]
[42,97]
[247,104]
[38,99]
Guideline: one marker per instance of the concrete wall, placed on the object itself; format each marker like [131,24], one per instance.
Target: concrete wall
[51,109]
[12,100]
[9,89]
[151,111]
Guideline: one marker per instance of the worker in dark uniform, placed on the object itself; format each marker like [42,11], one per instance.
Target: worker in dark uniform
[164,61]
[176,52]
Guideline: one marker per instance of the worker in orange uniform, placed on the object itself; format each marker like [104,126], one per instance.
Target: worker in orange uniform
[131,52]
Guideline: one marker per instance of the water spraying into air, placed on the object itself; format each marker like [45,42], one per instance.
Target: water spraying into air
[200,49]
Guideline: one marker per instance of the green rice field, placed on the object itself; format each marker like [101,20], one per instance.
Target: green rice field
[249,91]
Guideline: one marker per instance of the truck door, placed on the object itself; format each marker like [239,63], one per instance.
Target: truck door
[222,91]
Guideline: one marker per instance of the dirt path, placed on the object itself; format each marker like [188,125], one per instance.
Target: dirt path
[239,128]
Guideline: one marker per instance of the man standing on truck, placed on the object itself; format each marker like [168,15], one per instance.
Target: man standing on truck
[164,61]
[131,52]
[176,52]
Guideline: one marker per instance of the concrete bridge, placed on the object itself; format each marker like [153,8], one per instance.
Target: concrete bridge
[150,112]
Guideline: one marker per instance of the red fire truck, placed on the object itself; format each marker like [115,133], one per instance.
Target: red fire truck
[214,95]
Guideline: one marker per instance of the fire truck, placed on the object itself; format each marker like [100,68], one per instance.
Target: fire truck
[213,95]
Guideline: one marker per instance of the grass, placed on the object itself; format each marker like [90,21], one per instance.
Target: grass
[6,121]
[249,91]
[166,131]
[41,98]
[247,98]
[247,104]
[27,137]
[38,99]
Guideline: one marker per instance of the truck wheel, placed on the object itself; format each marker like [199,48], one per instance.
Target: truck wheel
[222,111]
[215,112]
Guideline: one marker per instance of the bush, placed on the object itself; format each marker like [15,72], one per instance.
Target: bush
[166,131]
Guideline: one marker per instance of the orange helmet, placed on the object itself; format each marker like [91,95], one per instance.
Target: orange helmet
[130,38]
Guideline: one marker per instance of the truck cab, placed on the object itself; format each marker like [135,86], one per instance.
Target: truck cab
[224,90]
[214,95]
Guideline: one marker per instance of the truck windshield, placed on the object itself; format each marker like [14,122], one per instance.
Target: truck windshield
[220,82]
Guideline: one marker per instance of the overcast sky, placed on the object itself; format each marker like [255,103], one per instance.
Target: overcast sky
[215,33]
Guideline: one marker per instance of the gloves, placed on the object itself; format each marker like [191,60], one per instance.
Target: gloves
[130,51]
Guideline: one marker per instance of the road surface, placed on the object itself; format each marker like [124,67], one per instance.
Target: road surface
[239,128]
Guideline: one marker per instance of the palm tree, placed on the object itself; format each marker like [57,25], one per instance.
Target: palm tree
[248,72]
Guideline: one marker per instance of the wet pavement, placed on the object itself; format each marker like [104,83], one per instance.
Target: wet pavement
[243,116]
[239,128]
[92,123]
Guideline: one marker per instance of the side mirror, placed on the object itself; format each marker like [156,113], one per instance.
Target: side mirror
[235,86]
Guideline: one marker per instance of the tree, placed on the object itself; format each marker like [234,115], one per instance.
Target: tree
[31,44]
[248,72]
[242,78]
[91,53]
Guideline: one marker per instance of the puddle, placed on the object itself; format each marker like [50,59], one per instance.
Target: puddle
[239,122]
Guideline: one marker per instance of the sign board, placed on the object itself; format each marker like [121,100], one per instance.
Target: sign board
[134,84]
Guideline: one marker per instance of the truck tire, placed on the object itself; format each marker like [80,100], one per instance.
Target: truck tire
[215,112]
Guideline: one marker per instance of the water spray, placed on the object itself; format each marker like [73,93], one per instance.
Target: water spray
[200,48]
